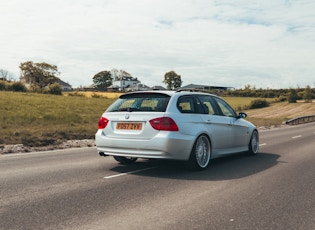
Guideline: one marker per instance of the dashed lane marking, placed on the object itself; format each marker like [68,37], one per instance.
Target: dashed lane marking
[126,173]
[296,136]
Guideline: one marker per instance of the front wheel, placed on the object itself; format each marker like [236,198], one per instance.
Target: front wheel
[125,160]
[253,146]
[200,155]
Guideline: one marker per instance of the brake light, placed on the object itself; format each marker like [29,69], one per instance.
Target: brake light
[164,123]
[102,123]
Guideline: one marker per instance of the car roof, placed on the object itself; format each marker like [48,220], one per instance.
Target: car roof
[170,92]
[167,92]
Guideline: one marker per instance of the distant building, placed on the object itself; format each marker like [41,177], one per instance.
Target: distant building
[120,83]
[206,87]
[138,87]
[65,86]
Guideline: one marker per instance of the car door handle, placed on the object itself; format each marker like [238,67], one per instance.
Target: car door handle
[208,122]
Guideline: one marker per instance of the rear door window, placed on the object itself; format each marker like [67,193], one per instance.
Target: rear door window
[189,104]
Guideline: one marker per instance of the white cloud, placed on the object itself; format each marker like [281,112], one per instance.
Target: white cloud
[230,43]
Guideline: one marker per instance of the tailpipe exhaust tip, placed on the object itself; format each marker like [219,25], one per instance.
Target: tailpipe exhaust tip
[102,154]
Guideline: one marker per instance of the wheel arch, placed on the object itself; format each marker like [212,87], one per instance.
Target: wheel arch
[208,137]
[254,130]
[250,147]
[193,163]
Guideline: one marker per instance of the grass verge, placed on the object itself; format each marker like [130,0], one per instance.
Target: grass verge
[40,119]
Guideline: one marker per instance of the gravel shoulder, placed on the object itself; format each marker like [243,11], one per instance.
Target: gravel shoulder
[20,148]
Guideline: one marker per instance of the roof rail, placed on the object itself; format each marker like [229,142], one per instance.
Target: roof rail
[193,90]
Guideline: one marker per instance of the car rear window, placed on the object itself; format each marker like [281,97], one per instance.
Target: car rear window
[144,102]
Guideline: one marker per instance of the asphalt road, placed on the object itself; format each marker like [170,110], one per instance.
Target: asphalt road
[77,189]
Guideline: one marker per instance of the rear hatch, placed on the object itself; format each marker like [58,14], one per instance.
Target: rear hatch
[129,116]
[130,125]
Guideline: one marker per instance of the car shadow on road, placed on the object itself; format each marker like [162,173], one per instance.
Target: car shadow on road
[225,168]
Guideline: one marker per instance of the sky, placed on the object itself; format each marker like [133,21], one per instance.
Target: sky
[231,43]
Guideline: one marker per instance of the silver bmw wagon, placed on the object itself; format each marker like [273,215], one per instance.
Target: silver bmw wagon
[180,125]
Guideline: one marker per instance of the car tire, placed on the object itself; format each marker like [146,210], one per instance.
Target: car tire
[253,146]
[125,160]
[200,155]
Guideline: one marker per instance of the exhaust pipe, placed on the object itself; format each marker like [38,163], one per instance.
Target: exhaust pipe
[102,154]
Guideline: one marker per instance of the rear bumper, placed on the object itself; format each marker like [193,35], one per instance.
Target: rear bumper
[165,145]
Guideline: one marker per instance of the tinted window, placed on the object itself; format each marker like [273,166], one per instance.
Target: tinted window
[225,108]
[189,104]
[145,102]
[207,104]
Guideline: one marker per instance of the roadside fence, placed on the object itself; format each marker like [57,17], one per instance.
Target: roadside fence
[300,120]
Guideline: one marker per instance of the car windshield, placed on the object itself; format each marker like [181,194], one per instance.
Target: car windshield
[145,102]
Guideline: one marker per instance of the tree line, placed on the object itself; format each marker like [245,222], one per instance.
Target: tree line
[43,77]
[291,95]
[36,77]
[104,79]
[40,76]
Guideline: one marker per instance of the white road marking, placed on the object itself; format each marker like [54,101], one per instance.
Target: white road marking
[131,172]
[263,144]
[297,136]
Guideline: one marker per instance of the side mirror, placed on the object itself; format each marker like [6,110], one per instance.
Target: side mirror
[242,115]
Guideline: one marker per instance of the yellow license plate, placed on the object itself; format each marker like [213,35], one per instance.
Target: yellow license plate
[129,126]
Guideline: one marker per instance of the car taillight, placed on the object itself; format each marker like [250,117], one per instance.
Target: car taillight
[164,123]
[102,123]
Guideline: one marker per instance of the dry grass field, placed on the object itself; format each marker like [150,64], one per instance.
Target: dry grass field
[276,113]
[109,95]
[42,119]
[285,110]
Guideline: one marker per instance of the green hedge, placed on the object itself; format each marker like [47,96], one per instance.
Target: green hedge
[259,103]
